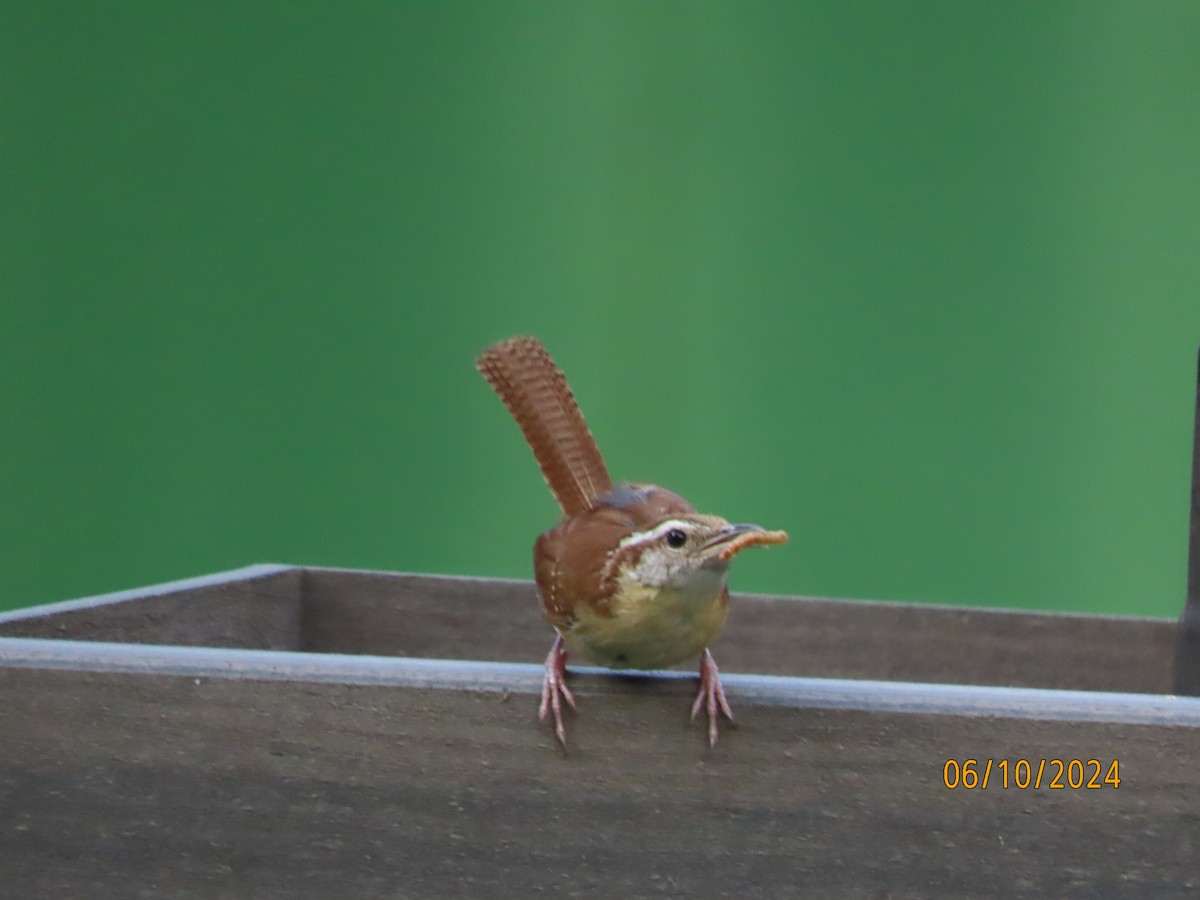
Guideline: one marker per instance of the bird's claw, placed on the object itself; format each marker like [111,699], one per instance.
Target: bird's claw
[555,690]
[711,697]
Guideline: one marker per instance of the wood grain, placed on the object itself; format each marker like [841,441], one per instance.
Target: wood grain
[135,785]
[160,767]
[394,614]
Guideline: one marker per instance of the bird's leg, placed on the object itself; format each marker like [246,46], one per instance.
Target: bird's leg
[711,696]
[555,690]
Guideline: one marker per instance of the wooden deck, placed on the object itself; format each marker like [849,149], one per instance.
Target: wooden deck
[293,732]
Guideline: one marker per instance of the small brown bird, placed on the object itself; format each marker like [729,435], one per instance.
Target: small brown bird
[632,577]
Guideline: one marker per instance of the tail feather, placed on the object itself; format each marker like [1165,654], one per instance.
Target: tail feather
[521,371]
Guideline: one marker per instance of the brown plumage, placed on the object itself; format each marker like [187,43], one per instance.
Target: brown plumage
[535,391]
[576,562]
[633,576]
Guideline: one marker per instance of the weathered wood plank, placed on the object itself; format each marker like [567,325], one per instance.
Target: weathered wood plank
[258,606]
[128,769]
[892,641]
[465,618]
[511,678]
[170,786]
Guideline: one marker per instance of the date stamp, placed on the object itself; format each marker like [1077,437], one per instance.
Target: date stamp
[1031,774]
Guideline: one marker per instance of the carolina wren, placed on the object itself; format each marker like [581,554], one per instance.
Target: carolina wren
[632,577]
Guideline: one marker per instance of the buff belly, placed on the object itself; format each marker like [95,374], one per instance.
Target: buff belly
[651,628]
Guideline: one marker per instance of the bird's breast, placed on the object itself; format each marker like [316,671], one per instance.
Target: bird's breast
[647,627]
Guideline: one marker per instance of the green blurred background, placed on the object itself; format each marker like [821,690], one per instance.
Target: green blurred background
[916,282]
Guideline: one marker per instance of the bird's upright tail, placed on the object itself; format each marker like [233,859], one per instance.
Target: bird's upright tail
[536,392]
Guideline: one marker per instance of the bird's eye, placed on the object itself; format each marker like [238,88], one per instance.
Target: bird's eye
[676,538]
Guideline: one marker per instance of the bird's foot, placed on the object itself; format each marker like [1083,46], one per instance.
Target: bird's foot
[711,697]
[555,690]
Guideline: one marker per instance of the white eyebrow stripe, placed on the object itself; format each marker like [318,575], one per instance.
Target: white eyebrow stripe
[641,537]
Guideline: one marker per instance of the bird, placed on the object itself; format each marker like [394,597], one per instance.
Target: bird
[632,576]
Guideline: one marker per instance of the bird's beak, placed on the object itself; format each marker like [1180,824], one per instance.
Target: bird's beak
[732,539]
